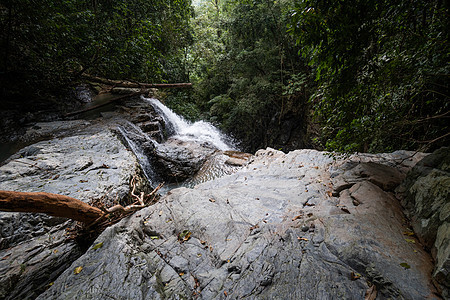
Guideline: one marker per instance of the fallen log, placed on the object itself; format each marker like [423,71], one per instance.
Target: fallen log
[51,204]
[134,84]
[67,207]
[100,105]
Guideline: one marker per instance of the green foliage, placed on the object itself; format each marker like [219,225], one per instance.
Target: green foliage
[46,44]
[181,103]
[382,69]
[242,62]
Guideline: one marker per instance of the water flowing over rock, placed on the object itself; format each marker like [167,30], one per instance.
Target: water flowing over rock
[188,146]
[272,230]
[301,225]
[85,159]
[200,132]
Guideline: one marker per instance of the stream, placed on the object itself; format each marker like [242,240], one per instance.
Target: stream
[332,222]
[185,142]
[199,132]
[168,148]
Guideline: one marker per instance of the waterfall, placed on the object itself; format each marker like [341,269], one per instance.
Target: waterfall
[199,132]
[174,122]
[203,142]
[143,160]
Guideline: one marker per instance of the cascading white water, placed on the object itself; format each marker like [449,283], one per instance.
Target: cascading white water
[200,131]
[174,122]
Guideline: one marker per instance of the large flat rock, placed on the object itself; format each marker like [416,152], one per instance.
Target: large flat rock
[273,230]
[34,248]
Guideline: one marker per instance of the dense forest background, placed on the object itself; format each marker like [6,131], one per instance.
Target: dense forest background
[368,75]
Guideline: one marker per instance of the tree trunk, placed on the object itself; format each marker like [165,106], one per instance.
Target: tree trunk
[51,204]
[100,105]
[129,84]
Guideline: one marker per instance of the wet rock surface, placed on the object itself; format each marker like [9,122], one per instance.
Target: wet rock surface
[34,248]
[179,160]
[85,159]
[273,230]
[426,197]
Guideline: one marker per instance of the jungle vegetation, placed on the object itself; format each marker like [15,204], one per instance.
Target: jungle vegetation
[346,76]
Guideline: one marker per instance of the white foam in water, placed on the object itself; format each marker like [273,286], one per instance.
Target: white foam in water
[171,119]
[199,131]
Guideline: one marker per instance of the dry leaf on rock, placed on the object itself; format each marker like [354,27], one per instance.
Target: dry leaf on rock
[297,217]
[254,227]
[197,283]
[354,276]
[371,293]
[345,209]
[184,236]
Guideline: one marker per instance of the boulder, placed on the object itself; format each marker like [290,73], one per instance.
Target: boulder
[34,248]
[272,230]
[426,198]
[385,177]
[178,160]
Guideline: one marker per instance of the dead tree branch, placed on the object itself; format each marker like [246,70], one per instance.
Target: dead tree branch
[68,207]
[134,206]
[51,204]
[134,84]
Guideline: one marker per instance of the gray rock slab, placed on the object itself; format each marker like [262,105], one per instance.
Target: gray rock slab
[179,160]
[34,247]
[426,198]
[243,236]
[56,128]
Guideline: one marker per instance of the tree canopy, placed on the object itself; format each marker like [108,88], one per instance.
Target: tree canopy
[382,71]
[361,75]
[243,61]
[346,75]
[46,44]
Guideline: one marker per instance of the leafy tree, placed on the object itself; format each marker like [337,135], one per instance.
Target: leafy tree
[46,44]
[243,61]
[382,69]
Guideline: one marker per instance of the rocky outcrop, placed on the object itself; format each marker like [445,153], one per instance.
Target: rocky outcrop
[34,248]
[144,116]
[179,160]
[302,225]
[426,198]
[273,230]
